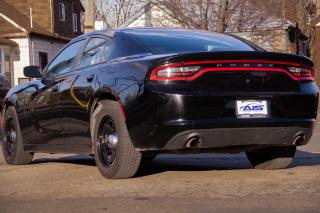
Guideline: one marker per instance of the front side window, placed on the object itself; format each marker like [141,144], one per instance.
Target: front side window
[94,51]
[63,62]
[62,12]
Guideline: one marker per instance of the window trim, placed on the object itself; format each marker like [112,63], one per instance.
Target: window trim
[75,22]
[77,68]
[62,12]
[73,64]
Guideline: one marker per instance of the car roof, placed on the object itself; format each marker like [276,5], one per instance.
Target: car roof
[145,30]
[152,30]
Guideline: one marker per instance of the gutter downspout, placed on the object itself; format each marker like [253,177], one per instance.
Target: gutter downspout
[12,55]
[31,46]
[30,14]
[52,18]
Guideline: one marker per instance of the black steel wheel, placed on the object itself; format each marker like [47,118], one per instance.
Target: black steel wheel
[107,142]
[10,137]
[114,153]
[12,144]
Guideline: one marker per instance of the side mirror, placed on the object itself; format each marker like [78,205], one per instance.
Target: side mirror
[32,72]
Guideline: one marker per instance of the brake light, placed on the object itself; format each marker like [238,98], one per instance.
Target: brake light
[302,73]
[174,73]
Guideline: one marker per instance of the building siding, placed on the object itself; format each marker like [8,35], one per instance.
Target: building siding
[45,46]
[21,59]
[28,53]
[64,28]
[156,17]
[45,13]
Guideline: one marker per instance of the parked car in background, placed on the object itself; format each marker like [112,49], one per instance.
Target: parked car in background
[4,88]
[129,94]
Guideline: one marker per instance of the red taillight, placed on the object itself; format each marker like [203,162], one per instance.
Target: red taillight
[302,73]
[189,71]
[174,73]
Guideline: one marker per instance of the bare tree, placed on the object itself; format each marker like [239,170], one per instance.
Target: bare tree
[115,12]
[222,15]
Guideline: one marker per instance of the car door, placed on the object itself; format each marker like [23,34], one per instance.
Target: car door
[45,112]
[77,90]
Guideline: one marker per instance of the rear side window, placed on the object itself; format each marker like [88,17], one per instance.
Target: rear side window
[182,41]
[124,46]
[96,49]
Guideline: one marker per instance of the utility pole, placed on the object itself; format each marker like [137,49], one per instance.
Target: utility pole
[89,16]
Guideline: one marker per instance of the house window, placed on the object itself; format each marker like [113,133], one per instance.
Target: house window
[75,22]
[62,12]
[43,60]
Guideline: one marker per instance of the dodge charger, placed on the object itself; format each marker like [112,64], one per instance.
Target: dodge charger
[126,95]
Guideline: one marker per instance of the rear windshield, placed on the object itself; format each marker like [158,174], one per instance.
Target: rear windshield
[183,41]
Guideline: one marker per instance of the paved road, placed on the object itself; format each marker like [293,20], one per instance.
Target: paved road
[171,183]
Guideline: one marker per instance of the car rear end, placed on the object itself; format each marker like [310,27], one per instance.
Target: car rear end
[228,100]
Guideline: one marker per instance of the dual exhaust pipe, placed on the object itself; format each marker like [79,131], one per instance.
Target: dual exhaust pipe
[195,141]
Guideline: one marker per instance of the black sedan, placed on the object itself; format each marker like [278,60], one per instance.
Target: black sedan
[127,95]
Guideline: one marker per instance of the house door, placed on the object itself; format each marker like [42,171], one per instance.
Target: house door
[43,59]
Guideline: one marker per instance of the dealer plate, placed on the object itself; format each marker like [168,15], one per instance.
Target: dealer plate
[252,109]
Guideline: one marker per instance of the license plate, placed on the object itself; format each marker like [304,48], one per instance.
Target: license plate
[252,109]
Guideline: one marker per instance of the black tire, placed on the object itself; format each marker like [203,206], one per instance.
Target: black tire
[124,160]
[271,157]
[12,147]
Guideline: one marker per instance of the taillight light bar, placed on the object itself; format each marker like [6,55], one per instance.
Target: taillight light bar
[189,71]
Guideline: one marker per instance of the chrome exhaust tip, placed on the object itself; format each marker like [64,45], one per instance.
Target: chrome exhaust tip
[299,140]
[193,142]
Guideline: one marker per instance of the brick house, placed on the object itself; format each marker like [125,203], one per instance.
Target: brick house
[32,32]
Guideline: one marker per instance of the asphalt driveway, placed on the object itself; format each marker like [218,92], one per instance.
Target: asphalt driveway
[170,183]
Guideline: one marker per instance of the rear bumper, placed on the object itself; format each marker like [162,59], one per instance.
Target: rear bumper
[226,133]
[166,121]
[228,137]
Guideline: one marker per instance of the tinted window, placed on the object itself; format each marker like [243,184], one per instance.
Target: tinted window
[124,45]
[183,41]
[95,49]
[63,62]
